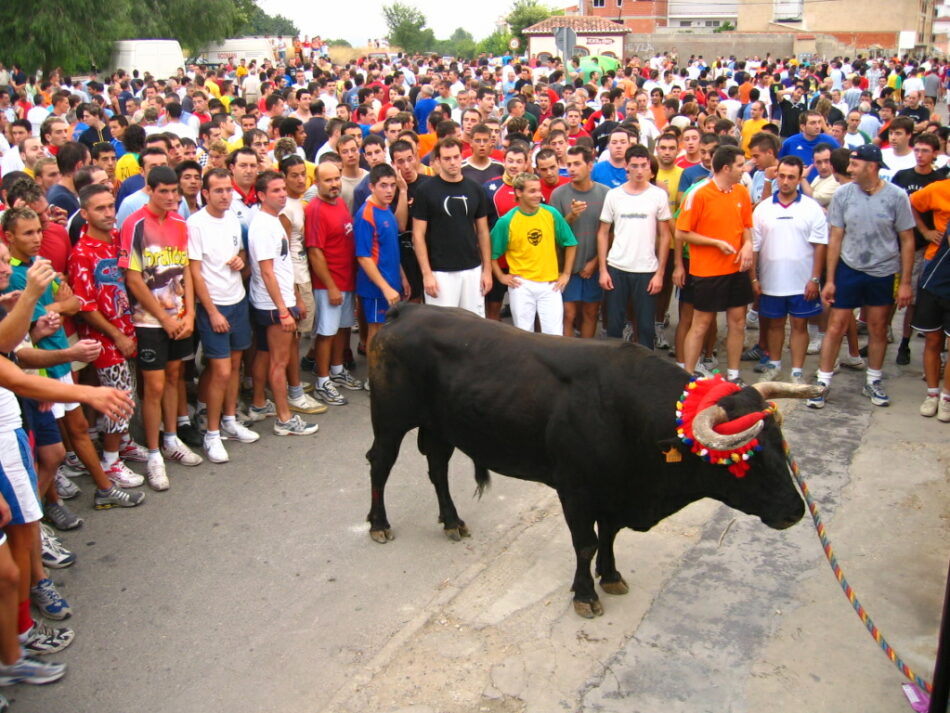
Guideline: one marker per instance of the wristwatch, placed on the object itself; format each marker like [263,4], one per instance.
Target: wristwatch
[815,280]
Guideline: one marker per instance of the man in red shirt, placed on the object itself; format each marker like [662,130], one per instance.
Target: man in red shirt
[545,165]
[331,251]
[690,156]
[574,128]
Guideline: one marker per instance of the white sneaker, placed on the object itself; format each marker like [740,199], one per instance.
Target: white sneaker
[814,345]
[928,408]
[752,319]
[237,431]
[770,373]
[798,378]
[853,362]
[155,474]
[120,474]
[943,410]
[306,404]
[181,453]
[215,450]
[659,340]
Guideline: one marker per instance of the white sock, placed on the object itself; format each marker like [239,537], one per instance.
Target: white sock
[336,369]
[212,436]
[229,419]
[825,376]
[110,457]
[797,371]
[936,392]
[200,406]
[154,456]
[732,374]
[170,440]
[873,375]
[681,365]
[322,380]
[183,421]
[776,364]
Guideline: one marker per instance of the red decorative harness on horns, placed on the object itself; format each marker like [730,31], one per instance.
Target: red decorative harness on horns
[700,394]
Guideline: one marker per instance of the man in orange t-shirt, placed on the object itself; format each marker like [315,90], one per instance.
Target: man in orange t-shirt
[716,221]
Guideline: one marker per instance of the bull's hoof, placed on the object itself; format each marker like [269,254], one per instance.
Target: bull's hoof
[589,610]
[616,587]
[457,533]
[382,536]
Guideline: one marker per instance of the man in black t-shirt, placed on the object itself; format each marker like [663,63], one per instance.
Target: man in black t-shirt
[792,105]
[926,149]
[450,234]
[916,111]
[403,156]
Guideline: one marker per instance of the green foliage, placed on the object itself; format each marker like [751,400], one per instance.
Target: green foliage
[253,21]
[194,23]
[495,44]
[725,27]
[72,35]
[460,44]
[407,28]
[525,13]
[338,43]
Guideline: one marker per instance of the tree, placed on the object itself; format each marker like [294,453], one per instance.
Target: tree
[194,23]
[495,44]
[338,43]
[254,21]
[525,13]
[407,28]
[72,35]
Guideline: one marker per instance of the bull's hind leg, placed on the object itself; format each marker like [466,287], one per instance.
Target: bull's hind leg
[610,579]
[382,455]
[438,452]
[580,521]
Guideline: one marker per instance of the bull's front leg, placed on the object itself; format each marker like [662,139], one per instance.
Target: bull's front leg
[382,455]
[580,520]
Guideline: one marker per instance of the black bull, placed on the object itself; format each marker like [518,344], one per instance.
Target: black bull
[595,420]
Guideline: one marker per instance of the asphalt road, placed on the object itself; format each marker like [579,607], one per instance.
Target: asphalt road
[253,586]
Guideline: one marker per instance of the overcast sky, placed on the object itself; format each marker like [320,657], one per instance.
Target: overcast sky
[357,21]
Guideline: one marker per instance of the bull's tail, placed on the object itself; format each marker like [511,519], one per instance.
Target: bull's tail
[482,480]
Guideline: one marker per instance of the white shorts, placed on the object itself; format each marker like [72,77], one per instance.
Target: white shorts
[462,288]
[332,318]
[537,299]
[18,477]
[60,409]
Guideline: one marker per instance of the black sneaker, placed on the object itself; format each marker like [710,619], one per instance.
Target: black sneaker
[349,361]
[903,356]
[307,364]
[190,435]
[863,351]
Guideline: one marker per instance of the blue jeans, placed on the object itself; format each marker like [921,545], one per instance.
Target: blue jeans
[631,285]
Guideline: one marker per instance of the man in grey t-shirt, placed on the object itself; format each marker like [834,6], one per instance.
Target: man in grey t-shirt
[580,202]
[872,240]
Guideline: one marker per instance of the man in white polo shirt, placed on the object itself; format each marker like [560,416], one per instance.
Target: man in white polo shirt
[789,240]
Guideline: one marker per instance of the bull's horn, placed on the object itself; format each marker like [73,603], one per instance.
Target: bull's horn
[781,390]
[704,432]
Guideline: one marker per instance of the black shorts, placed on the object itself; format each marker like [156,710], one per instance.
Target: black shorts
[722,292]
[687,292]
[156,348]
[932,313]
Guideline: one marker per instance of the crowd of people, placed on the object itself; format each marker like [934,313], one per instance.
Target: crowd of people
[170,241]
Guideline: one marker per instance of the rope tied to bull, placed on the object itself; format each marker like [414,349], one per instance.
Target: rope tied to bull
[845,587]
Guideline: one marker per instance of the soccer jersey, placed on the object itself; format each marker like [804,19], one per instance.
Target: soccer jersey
[529,242]
[159,250]
[719,214]
[329,227]
[97,282]
[56,340]
[785,236]
[377,237]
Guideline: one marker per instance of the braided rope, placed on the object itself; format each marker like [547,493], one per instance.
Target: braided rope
[846,588]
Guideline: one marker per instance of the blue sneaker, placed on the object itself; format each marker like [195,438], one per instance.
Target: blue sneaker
[30,670]
[753,353]
[818,401]
[765,363]
[875,392]
[51,605]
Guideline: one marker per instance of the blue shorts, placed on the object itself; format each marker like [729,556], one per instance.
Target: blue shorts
[237,339]
[583,289]
[374,309]
[42,424]
[332,318]
[18,478]
[264,318]
[854,289]
[795,305]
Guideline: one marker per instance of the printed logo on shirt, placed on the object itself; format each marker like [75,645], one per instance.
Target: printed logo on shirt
[534,236]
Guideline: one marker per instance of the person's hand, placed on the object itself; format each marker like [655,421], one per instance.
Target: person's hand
[430,285]
[511,281]
[8,299]
[605,282]
[39,277]
[744,257]
[287,322]
[85,350]
[561,282]
[219,323]
[655,284]
[58,215]
[725,247]
[301,308]
[401,184]
[771,172]
[756,288]
[406,288]
[125,345]
[5,515]
[236,263]
[811,291]
[334,296]
[577,207]
[588,270]
[171,325]
[679,276]
[64,292]
[115,404]
[187,328]
[933,236]
[486,282]
[904,295]
[828,293]
[46,325]
[391,296]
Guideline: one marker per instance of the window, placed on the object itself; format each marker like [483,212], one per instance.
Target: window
[619,3]
[712,23]
[686,23]
[598,3]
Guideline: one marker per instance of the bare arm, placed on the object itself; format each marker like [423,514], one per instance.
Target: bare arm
[376,277]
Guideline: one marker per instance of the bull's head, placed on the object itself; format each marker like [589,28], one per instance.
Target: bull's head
[767,489]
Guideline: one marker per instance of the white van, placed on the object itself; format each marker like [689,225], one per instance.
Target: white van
[161,58]
[249,48]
